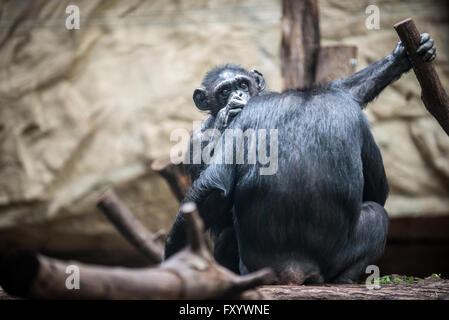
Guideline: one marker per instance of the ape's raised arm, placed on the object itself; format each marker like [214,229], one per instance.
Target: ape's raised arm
[366,84]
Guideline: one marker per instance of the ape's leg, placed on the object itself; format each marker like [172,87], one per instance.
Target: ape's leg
[226,249]
[367,241]
[366,244]
[242,268]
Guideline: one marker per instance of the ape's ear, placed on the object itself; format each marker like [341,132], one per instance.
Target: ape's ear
[260,81]
[200,99]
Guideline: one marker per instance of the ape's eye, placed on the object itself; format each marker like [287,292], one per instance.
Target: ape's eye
[224,92]
[243,85]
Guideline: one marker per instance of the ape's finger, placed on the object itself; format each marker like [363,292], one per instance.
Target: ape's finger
[426,46]
[429,54]
[424,38]
[234,112]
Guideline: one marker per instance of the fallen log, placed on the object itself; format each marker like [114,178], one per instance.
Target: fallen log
[41,277]
[131,228]
[190,274]
[433,289]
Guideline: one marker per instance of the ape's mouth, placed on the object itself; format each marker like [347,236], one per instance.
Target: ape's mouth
[237,102]
[237,106]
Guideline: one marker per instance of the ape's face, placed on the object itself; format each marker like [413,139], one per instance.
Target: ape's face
[232,84]
[225,84]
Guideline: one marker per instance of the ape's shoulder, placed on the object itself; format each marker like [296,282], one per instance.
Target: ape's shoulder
[298,94]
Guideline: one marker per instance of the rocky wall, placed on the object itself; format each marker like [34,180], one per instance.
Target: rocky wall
[82,110]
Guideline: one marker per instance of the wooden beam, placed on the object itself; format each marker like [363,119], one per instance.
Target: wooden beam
[335,62]
[300,42]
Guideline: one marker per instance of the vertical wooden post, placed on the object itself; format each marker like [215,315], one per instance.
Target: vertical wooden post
[300,42]
[335,62]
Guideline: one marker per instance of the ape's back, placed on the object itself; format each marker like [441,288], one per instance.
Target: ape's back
[302,212]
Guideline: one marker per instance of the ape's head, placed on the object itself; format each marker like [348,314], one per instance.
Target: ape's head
[222,83]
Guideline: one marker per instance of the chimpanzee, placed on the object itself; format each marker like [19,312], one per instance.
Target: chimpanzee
[320,217]
[226,91]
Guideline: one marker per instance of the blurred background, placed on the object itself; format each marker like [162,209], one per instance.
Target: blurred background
[83,110]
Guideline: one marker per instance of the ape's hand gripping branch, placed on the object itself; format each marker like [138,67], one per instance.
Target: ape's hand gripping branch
[433,94]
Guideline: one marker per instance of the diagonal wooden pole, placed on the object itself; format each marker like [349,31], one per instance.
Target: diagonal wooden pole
[131,228]
[433,94]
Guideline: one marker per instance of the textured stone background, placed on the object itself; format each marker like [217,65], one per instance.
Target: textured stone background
[82,110]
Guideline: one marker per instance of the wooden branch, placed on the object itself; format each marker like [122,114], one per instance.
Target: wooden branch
[42,277]
[300,42]
[213,278]
[131,228]
[335,62]
[177,176]
[428,289]
[195,228]
[190,274]
[36,276]
[433,94]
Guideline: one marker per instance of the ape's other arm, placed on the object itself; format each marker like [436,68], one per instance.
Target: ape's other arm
[211,208]
[194,160]
[212,194]
[366,84]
